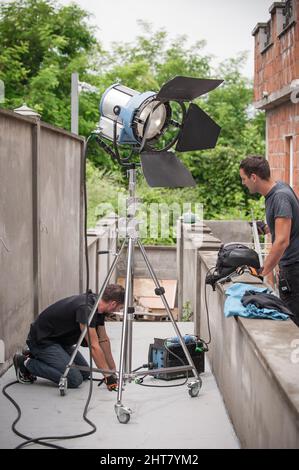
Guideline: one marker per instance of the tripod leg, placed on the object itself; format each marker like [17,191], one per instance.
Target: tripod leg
[157,284]
[123,414]
[130,319]
[63,379]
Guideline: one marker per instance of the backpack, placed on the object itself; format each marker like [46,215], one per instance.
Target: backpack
[233,255]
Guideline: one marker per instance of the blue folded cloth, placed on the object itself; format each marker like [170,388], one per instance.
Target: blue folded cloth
[233,305]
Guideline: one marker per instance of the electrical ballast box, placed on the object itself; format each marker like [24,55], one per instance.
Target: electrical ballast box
[169,353]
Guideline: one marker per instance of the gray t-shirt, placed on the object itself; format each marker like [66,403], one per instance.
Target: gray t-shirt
[281,201]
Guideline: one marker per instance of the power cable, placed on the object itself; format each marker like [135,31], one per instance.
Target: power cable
[206,305]
[140,381]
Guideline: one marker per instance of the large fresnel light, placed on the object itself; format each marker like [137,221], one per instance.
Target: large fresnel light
[142,120]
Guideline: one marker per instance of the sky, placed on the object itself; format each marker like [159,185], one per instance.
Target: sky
[226,25]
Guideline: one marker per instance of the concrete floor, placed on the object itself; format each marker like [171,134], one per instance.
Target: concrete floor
[161,419]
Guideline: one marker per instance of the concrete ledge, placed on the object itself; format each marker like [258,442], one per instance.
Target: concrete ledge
[256,367]
[258,27]
[229,231]
[276,5]
[58,130]
[276,98]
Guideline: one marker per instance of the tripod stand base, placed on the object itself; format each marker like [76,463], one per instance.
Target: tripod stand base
[125,370]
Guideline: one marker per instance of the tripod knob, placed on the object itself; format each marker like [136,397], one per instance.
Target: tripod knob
[159,291]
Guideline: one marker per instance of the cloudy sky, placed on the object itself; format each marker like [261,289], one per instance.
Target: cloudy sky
[226,25]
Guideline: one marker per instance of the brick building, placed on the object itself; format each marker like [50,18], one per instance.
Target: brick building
[276,88]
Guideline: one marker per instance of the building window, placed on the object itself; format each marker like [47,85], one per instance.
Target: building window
[289,161]
[288,13]
[285,17]
[265,36]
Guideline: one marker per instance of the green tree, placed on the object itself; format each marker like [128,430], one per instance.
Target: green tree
[154,60]
[42,44]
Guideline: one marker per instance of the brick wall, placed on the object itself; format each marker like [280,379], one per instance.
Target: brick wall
[276,69]
[283,132]
[278,64]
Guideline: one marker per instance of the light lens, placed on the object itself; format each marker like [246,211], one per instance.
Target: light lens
[156,122]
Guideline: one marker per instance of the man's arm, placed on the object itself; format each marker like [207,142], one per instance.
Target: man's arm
[105,345]
[96,351]
[282,241]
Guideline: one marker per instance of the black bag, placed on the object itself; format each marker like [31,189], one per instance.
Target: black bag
[233,255]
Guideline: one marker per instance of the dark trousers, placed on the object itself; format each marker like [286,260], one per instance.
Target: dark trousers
[50,363]
[289,289]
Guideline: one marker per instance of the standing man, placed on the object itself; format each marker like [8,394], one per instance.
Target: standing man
[282,214]
[57,329]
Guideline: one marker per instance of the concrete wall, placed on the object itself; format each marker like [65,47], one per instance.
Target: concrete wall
[102,238]
[254,361]
[60,214]
[230,230]
[41,222]
[255,368]
[162,258]
[16,232]
[191,239]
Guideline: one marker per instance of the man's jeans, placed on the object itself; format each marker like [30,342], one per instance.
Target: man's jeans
[50,363]
[291,275]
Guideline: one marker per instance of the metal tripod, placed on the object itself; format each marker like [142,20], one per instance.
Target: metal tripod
[125,364]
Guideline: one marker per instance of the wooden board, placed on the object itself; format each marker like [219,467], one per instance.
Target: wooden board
[144,291]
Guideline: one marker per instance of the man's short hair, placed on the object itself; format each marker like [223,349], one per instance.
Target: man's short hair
[256,164]
[114,292]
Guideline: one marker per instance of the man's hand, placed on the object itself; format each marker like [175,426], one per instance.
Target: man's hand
[262,227]
[111,382]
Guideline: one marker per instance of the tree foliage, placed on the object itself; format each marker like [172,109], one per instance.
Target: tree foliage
[44,42]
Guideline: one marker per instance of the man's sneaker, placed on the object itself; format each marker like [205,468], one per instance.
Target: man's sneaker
[23,374]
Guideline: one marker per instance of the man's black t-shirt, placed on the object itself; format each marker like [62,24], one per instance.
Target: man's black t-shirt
[282,202]
[59,323]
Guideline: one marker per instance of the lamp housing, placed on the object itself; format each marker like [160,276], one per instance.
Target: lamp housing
[134,115]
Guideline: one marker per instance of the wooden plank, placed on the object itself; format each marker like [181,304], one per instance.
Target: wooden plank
[170,287]
[144,291]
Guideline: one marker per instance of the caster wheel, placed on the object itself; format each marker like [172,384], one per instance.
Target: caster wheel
[123,414]
[124,417]
[194,388]
[62,386]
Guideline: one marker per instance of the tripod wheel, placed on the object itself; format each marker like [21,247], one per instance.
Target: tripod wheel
[194,388]
[62,386]
[123,414]
[124,418]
